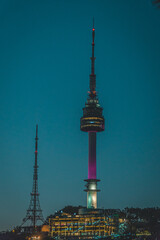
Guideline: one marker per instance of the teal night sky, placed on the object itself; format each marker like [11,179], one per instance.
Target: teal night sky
[45,50]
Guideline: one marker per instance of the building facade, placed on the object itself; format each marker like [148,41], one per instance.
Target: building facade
[83,226]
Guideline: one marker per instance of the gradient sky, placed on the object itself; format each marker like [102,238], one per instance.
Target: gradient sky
[45,49]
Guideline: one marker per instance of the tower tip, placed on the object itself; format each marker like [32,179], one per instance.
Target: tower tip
[36,130]
[93,29]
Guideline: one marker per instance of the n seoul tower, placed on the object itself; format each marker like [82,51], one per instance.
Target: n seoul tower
[92,122]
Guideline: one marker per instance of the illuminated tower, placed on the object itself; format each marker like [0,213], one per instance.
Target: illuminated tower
[34,212]
[92,122]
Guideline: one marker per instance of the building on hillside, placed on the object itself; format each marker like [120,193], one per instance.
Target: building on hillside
[83,226]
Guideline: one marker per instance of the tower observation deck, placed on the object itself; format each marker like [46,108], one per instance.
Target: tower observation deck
[92,122]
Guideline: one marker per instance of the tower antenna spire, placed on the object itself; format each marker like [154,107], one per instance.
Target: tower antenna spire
[92,92]
[34,212]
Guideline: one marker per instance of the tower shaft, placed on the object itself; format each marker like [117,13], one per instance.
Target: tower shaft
[91,181]
[92,155]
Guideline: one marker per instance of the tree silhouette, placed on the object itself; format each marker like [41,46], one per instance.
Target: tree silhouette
[156,3]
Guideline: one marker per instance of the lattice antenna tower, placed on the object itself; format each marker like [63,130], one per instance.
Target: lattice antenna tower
[34,212]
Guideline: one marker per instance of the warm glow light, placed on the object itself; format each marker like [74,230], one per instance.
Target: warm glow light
[93,118]
[36,237]
[90,125]
[94,199]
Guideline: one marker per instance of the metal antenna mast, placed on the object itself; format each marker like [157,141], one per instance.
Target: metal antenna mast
[92,92]
[34,212]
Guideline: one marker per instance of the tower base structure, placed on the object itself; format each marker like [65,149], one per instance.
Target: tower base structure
[91,189]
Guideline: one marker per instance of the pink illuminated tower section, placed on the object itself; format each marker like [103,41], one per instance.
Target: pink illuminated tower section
[92,122]
[92,156]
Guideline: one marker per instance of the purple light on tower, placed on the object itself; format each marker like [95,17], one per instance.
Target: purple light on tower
[92,155]
[92,122]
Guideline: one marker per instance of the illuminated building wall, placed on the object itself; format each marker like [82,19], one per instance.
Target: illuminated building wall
[82,226]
